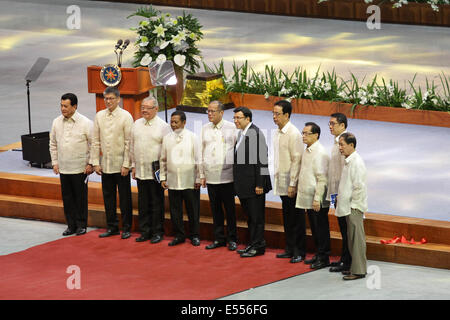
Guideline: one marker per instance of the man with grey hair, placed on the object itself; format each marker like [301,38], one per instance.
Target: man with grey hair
[216,171]
[352,204]
[145,150]
[312,191]
[111,138]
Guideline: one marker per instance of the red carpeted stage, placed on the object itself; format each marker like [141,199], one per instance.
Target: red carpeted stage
[117,269]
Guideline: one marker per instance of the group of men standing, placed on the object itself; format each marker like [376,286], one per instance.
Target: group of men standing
[308,180]
[229,159]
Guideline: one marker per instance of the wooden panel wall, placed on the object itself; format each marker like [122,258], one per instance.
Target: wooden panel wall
[413,13]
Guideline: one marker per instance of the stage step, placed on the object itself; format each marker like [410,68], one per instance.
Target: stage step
[380,225]
[15,145]
[45,208]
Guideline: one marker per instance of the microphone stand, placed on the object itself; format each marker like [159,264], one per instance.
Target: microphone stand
[118,44]
[117,57]
[124,46]
[29,109]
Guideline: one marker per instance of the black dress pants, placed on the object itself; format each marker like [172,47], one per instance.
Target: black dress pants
[320,230]
[223,195]
[151,208]
[191,198]
[110,183]
[346,257]
[75,199]
[254,207]
[294,227]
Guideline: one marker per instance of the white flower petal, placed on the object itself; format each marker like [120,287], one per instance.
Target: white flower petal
[179,59]
[161,59]
[164,44]
[146,59]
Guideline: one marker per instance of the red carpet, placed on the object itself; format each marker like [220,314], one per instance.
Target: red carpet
[113,268]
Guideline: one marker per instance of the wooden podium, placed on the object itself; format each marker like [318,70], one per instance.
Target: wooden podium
[133,88]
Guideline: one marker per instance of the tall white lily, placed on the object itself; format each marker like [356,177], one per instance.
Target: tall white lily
[160,30]
[176,40]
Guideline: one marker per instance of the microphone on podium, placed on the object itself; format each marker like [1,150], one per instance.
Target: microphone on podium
[118,44]
[124,46]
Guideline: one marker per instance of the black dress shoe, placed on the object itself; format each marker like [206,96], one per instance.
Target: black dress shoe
[284,255]
[336,263]
[241,251]
[68,232]
[339,268]
[109,233]
[81,231]
[215,244]
[319,264]
[156,238]
[126,234]
[142,239]
[296,259]
[253,252]
[176,241]
[232,245]
[346,272]
[195,241]
[311,261]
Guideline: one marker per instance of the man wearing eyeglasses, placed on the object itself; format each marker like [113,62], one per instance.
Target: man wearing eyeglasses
[338,126]
[251,178]
[111,137]
[216,171]
[288,150]
[312,191]
[145,150]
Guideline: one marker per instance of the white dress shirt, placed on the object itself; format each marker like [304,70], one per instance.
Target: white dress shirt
[70,139]
[217,152]
[288,150]
[337,161]
[352,193]
[111,137]
[145,145]
[180,156]
[312,181]
[241,134]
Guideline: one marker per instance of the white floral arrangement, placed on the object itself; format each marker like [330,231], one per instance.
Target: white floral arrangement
[162,37]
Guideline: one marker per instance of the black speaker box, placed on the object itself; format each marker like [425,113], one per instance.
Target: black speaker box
[35,148]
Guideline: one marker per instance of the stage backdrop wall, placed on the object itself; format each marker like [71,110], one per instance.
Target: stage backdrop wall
[412,13]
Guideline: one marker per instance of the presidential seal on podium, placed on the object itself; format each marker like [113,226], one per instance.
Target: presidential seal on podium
[111,75]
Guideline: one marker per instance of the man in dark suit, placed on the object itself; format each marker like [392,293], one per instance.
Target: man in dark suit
[251,178]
